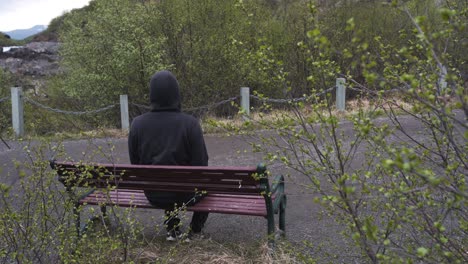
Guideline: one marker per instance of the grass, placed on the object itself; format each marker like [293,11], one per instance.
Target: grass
[209,251]
[70,135]
[101,133]
[215,125]
[258,120]
[277,117]
[155,249]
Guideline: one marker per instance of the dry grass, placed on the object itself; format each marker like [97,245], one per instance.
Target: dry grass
[275,116]
[155,249]
[100,133]
[66,135]
[209,251]
[215,125]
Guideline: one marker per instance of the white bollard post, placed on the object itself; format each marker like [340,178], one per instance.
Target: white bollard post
[245,101]
[124,112]
[340,94]
[17,111]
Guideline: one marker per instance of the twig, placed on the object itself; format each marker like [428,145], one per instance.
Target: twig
[4,142]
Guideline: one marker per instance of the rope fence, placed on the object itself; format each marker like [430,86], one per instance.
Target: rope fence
[194,109]
[29,100]
[368,91]
[18,99]
[292,100]
[214,105]
[147,107]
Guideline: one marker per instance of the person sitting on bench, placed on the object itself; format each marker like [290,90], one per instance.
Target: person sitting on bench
[166,136]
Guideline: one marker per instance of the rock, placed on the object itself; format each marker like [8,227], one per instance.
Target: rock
[43,47]
[31,64]
[35,58]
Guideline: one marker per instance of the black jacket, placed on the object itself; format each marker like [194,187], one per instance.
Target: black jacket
[165,136]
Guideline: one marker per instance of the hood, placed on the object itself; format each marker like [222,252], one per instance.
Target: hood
[164,92]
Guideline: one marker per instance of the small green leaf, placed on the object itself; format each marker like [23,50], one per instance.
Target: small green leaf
[422,251]
[313,33]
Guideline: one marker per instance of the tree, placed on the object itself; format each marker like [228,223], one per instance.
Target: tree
[5,107]
[400,194]
[112,49]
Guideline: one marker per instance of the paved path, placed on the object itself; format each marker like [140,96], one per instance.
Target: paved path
[304,218]
[302,213]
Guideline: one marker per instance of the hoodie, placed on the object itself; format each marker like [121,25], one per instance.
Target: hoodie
[165,135]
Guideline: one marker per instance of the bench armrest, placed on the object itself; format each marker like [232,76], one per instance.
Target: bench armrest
[277,185]
[277,189]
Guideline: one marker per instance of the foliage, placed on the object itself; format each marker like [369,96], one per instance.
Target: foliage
[106,55]
[399,194]
[6,41]
[216,47]
[111,50]
[200,39]
[5,106]
[37,220]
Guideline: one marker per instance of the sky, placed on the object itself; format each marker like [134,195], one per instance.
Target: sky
[24,14]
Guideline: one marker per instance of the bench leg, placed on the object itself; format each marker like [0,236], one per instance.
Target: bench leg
[282,217]
[102,217]
[271,228]
[104,210]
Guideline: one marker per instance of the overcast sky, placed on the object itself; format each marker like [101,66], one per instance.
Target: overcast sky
[23,14]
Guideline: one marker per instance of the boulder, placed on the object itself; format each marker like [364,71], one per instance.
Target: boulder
[35,58]
[30,65]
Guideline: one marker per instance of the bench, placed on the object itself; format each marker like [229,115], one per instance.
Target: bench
[226,190]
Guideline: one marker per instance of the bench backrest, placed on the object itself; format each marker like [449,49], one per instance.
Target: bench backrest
[228,180]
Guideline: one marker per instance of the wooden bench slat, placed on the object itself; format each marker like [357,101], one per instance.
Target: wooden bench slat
[143,175]
[145,181]
[253,205]
[140,196]
[180,187]
[158,169]
[205,203]
[146,172]
[220,179]
[140,193]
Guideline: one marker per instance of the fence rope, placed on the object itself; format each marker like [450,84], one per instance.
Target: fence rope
[4,99]
[205,107]
[210,106]
[69,112]
[141,106]
[366,90]
[214,105]
[292,100]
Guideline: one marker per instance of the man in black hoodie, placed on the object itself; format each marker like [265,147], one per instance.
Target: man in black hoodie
[165,136]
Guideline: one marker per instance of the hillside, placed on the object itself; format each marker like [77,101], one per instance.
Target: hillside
[56,25]
[5,40]
[20,34]
[39,33]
